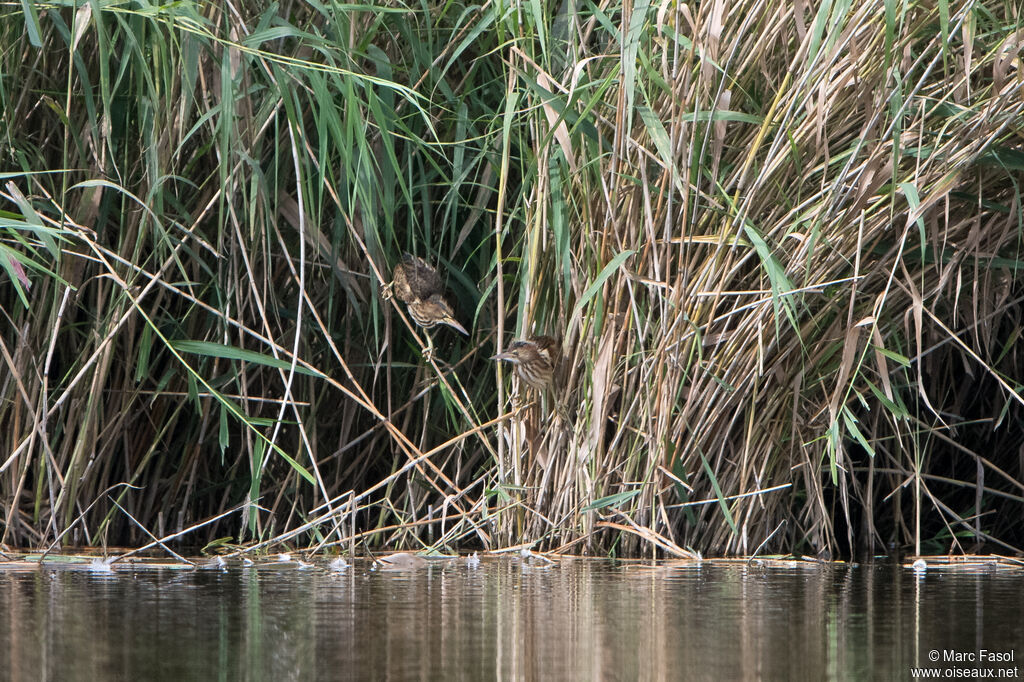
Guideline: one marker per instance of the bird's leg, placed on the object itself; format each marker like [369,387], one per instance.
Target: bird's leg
[561,410]
[519,401]
[428,355]
[387,291]
[428,352]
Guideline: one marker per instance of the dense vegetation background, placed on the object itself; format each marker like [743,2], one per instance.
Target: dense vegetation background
[780,243]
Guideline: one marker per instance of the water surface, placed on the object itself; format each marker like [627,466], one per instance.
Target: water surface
[505,618]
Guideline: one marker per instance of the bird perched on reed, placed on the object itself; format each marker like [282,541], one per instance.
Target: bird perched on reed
[418,285]
[535,360]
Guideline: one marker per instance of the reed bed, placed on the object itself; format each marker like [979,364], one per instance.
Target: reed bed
[779,243]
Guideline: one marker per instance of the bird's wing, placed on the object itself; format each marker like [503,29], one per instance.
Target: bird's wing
[423,279]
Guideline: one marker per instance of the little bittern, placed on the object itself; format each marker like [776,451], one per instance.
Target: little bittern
[418,285]
[535,360]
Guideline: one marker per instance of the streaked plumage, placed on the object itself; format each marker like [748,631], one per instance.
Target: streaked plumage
[433,311]
[535,360]
[418,285]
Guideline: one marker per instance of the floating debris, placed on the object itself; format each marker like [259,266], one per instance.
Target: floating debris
[473,560]
[970,563]
[284,557]
[339,565]
[402,561]
[101,565]
[920,566]
[531,559]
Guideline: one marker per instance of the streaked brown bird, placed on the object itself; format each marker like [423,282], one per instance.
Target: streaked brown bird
[535,360]
[418,285]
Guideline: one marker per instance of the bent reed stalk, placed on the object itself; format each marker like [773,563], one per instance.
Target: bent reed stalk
[778,246]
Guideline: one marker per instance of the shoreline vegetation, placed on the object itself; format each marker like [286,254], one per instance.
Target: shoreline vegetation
[778,249]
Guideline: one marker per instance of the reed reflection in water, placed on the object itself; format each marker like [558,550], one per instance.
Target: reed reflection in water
[508,619]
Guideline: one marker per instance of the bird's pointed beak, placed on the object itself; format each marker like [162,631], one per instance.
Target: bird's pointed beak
[508,357]
[455,325]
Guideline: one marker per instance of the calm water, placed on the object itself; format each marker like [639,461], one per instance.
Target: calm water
[503,619]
